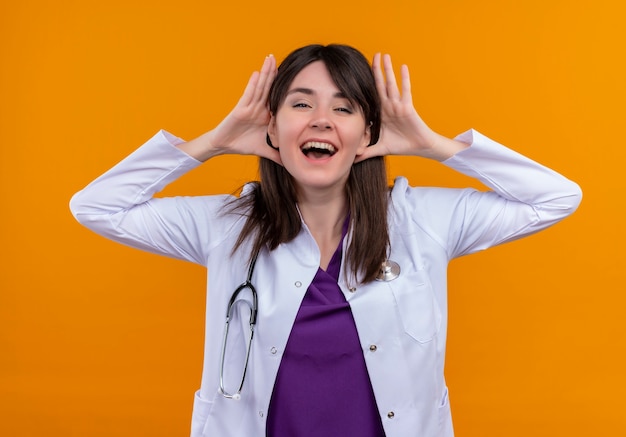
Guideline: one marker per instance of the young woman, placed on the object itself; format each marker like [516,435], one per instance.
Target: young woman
[349,276]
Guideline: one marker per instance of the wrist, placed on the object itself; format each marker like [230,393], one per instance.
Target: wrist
[444,148]
[200,148]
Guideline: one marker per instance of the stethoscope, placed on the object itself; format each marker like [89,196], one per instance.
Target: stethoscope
[254,307]
[389,271]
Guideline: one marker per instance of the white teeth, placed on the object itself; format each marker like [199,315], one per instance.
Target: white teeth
[318,145]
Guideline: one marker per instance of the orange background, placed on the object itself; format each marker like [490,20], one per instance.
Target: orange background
[98,340]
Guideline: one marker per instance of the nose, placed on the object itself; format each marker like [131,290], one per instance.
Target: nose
[321,120]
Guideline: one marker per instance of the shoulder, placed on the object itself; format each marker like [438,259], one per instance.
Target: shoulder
[430,211]
[425,200]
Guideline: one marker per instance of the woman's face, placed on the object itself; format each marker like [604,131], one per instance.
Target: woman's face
[318,131]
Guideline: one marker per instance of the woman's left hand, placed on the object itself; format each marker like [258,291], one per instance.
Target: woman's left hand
[403,132]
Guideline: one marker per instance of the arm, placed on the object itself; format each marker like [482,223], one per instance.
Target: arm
[120,204]
[525,198]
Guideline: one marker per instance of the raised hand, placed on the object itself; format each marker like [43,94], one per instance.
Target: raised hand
[403,132]
[243,130]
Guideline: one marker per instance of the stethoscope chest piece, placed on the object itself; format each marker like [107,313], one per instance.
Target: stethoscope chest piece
[389,271]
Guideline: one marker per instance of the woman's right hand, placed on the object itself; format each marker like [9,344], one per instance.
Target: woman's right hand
[243,131]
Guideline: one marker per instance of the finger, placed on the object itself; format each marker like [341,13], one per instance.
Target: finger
[271,75]
[392,86]
[248,92]
[379,79]
[370,152]
[406,84]
[269,153]
[265,79]
[270,79]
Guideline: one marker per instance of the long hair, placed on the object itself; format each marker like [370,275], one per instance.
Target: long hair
[272,215]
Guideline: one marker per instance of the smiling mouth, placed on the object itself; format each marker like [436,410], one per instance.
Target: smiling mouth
[316,149]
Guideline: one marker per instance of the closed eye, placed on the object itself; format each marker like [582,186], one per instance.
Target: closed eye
[346,110]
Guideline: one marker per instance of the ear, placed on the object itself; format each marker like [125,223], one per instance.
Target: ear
[367,136]
[271,130]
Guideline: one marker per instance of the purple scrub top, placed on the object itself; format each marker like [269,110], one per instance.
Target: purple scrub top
[322,387]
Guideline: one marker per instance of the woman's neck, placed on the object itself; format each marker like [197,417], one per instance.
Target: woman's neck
[324,216]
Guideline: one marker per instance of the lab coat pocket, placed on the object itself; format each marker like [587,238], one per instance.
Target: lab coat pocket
[416,305]
[445,418]
[201,410]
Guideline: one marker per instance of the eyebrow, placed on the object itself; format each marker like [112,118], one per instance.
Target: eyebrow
[310,92]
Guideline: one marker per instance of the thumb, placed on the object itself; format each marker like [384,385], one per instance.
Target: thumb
[271,154]
[371,152]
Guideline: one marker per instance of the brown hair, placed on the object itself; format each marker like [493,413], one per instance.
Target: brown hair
[272,216]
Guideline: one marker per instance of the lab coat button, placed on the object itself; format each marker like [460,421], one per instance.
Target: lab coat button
[373,347]
[298,284]
[260,413]
[352,289]
[273,350]
[390,414]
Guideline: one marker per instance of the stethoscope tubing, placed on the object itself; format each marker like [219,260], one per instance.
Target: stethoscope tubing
[389,271]
[252,321]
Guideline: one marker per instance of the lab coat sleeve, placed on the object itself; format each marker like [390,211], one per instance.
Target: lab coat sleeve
[120,205]
[524,197]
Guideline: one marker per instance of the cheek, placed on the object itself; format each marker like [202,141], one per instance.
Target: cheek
[359,135]
[285,138]
[287,142]
[283,129]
